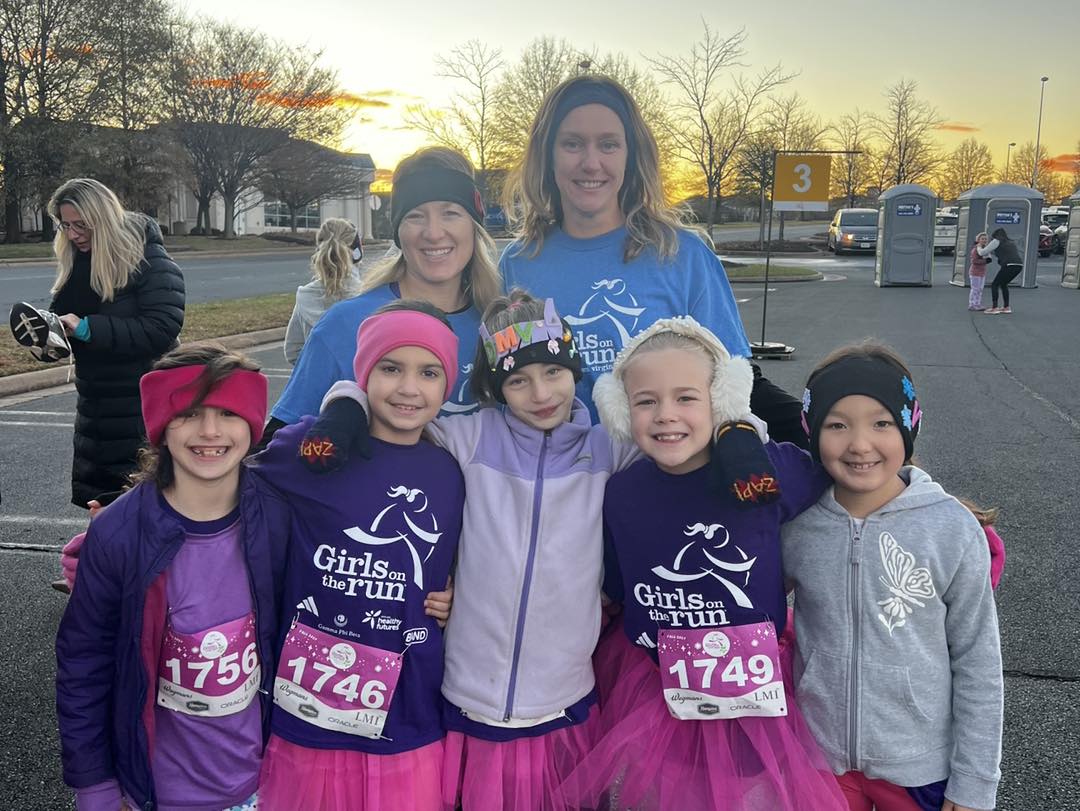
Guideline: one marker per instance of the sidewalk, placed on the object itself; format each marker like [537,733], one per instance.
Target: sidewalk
[63,373]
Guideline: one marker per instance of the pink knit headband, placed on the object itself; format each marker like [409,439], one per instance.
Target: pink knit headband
[385,332]
[169,392]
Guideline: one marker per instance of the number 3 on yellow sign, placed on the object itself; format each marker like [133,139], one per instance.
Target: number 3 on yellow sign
[802,183]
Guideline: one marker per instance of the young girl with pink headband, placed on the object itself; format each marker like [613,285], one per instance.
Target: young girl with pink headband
[357,723]
[166,651]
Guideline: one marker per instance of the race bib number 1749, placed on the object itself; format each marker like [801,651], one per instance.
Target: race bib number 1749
[729,672]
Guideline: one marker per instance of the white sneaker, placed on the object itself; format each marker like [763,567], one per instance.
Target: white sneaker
[28,324]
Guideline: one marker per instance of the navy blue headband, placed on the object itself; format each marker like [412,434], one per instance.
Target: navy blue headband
[592,92]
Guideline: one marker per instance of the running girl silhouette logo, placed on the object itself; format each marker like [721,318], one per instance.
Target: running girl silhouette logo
[409,507]
[702,558]
[611,307]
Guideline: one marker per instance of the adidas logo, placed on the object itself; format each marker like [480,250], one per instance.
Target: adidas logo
[308,604]
[644,641]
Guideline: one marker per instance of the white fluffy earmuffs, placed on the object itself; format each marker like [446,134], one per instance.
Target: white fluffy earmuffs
[733,379]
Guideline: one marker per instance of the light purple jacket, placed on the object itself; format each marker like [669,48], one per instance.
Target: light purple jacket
[526,614]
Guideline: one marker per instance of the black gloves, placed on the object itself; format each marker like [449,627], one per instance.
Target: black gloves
[341,429]
[740,466]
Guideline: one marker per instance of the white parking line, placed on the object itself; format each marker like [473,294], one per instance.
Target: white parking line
[50,522]
[38,424]
[35,413]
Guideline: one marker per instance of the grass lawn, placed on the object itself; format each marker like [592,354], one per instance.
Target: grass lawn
[178,245]
[756,272]
[212,319]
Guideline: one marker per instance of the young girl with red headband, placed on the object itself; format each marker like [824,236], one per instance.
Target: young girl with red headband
[357,723]
[166,652]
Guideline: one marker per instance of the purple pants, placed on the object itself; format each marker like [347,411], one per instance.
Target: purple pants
[977,284]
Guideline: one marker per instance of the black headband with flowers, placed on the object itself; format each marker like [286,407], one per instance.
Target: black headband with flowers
[870,376]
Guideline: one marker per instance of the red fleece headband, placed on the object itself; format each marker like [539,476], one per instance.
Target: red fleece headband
[168,392]
[385,332]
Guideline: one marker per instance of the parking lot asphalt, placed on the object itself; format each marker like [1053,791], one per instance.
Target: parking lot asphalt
[1001,396]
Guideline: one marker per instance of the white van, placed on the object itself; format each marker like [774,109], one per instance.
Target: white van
[945,230]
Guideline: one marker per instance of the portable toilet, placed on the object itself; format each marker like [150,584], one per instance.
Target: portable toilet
[1017,209]
[1070,273]
[905,243]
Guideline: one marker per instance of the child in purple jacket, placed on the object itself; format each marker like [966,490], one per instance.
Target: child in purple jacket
[165,654]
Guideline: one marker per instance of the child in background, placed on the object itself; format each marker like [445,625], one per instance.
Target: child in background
[357,718]
[987,516]
[977,272]
[702,714]
[165,654]
[335,276]
[898,668]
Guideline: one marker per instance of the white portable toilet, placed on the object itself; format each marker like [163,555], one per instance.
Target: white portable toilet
[1017,209]
[1070,272]
[905,243]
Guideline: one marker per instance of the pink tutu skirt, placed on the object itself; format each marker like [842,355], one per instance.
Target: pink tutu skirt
[297,778]
[520,775]
[648,761]
[611,658]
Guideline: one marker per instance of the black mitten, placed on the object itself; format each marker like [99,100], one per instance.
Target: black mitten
[740,466]
[341,429]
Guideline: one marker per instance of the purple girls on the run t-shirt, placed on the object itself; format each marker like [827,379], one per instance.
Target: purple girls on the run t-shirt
[679,556]
[367,545]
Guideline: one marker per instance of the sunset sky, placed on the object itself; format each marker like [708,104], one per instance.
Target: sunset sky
[977,61]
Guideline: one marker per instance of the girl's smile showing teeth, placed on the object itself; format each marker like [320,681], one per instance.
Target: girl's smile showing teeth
[212,451]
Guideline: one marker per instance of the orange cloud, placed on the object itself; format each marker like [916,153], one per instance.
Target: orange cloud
[1067,162]
[957,126]
[260,81]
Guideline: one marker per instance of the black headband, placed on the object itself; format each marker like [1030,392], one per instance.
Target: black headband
[541,341]
[590,92]
[435,183]
[872,377]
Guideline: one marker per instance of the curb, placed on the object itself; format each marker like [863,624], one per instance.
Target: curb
[38,260]
[817,277]
[58,375]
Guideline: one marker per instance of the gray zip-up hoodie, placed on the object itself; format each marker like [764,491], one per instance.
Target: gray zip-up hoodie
[898,668]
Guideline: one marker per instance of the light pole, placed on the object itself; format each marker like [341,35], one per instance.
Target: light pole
[1008,152]
[1038,130]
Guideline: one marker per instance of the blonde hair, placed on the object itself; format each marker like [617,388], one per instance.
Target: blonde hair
[532,199]
[117,237]
[480,279]
[332,262]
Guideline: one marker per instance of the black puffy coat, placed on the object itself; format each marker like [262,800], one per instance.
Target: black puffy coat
[127,335]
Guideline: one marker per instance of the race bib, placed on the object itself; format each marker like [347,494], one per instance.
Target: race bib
[334,684]
[729,672]
[214,672]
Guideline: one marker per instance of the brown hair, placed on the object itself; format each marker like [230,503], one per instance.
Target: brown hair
[987,515]
[517,305]
[532,199]
[154,462]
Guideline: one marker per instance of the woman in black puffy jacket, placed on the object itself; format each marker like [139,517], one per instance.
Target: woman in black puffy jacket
[121,301]
[1010,264]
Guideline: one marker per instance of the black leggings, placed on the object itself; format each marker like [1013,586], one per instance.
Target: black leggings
[1004,276]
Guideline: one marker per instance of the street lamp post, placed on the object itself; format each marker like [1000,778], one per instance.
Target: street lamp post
[1008,153]
[1038,130]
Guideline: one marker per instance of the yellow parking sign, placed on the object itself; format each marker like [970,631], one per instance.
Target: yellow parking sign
[802,183]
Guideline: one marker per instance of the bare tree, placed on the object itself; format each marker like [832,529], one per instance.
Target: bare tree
[909,153]
[707,124]
[793,127]
[754,170]
[237,96]
[851,172]
[46,77]
[970,164]
[301,172]
[1076,169]
[466,123]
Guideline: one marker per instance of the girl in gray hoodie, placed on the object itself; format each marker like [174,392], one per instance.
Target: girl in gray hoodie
[898,668]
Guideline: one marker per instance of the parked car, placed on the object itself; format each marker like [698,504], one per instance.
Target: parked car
[1057,243]
[853,229]
[1046,240]
[945,231]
